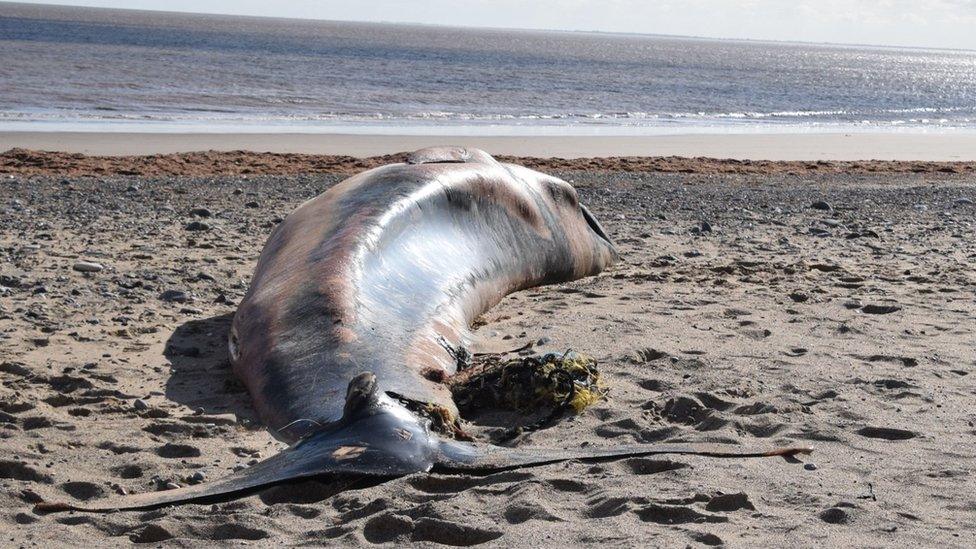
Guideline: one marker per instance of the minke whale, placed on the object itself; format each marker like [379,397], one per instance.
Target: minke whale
[360,308]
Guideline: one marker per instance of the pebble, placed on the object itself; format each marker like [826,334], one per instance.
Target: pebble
[799,297]
[198,477]
[886,433]
[252,204]
[876,309]
[835,515]
[197,226]
[87,267]
[174,296]
[140,405]
[544,340]
[821,205]
[809,467]
[201,212]
[964,202]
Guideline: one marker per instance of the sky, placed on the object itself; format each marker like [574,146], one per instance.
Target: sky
[911,23]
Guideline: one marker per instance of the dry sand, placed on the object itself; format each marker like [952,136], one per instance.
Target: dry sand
[740,313]
[747,146]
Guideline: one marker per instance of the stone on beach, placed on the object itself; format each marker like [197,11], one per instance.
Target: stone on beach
[87,267]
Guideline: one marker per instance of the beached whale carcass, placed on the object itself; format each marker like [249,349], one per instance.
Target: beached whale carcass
[361,304]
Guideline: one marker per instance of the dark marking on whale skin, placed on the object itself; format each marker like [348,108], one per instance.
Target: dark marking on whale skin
[367,292]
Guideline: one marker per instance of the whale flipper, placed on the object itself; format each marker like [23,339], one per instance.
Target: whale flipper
[373,438]
[466,456]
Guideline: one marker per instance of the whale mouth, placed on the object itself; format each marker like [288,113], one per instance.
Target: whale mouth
[596,227]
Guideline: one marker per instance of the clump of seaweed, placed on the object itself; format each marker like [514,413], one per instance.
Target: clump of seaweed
[549,385]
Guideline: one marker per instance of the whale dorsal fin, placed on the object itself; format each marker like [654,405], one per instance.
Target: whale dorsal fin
[361,396]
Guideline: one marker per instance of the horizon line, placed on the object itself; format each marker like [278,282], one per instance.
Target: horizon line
[492,28]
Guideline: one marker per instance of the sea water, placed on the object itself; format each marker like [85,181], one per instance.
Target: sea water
[81,68]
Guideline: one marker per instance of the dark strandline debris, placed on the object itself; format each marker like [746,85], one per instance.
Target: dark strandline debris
[550,385]
[526,384]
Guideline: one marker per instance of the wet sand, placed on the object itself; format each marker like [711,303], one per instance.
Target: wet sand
[773,305]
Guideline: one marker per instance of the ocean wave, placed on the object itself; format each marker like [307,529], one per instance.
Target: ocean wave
[962,117]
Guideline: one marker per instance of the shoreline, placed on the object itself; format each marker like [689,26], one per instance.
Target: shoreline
[756,147]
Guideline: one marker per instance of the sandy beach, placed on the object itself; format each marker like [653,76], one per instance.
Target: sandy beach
[824,303]
[792,316]
[937,147]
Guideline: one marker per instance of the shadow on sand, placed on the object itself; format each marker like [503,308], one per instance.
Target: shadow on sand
[201,377]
